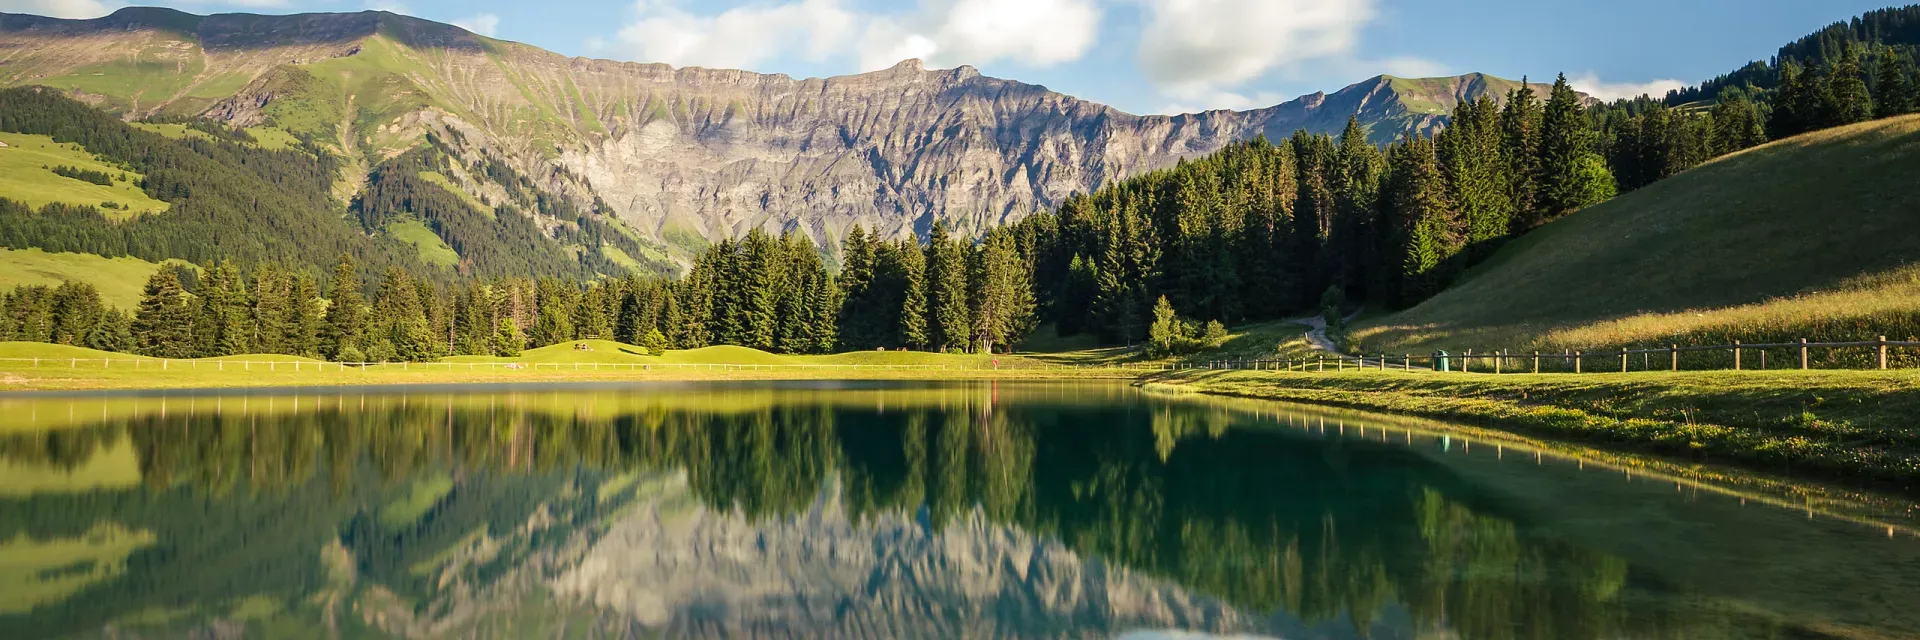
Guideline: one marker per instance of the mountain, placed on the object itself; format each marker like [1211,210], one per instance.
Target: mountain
[680,156]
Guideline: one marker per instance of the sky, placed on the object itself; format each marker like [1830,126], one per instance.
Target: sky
[1142,56]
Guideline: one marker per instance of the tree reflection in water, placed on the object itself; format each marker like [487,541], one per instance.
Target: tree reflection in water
[292,504]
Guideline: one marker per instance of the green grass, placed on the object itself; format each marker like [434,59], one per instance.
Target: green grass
[1844,423]
[26,175]
[445,183]
[1811,237]
[172,130]
[273,138]
[64,367]
[432,249]
[120,280]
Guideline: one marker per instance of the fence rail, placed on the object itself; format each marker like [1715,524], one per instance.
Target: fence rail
[1573,360]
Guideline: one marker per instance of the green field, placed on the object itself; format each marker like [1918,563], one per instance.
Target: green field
[1810,237]
[39,366]
[432,249]
[1843,423]
[120,280]
[26,175]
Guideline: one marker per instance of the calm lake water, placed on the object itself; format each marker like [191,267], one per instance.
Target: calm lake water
[894,510]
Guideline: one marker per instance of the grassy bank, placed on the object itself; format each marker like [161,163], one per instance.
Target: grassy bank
[72,368]
[1841,423]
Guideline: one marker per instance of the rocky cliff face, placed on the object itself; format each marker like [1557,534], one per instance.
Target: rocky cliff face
[681,155]
[693,572]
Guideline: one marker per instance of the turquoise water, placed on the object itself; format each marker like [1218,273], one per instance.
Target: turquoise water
[895,510]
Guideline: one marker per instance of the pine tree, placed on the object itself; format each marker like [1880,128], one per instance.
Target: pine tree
[631,327]
[759,275]
[1469,153]
[1520,125]
[1356,187]
[163,327]
[1425,221]
[1568,179]
[555,323]
[1003,303]
[224,326]
[1849,100]
[347,312]
[271,308]
[75,308]
[913,285]
[948,321]
[1892,93]
[1169,334]
[304,318]
[1736,123]
[1798,103]
[113,332]
[401,324]
[860,319]
[507,340]
[589,315]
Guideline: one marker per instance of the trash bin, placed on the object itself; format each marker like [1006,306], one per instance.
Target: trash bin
[1441,362]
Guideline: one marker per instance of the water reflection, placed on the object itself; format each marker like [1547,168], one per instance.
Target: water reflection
[867,510]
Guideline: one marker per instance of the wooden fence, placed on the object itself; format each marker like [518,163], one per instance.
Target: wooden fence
[1621,361]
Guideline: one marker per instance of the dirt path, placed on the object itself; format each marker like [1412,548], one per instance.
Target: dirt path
[1317,333]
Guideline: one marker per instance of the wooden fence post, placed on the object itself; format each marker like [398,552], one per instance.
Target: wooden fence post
[1576,362]
[1883,352]
[1496,361]
[1536,362]
[1623,359]
[1466,363]
[1674,351]
[1736,355]
[1321,365]
[1803,354]
[1406,362]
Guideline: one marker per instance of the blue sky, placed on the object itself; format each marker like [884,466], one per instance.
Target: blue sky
[1143,56]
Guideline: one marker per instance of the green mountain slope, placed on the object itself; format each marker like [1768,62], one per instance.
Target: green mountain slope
[1810,237]
[671,158]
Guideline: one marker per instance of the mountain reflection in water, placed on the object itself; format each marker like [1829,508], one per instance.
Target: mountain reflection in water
[881,510]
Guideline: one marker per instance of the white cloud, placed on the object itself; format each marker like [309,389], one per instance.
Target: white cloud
[1590,84]
[59,8]
[1192,48]
[1412,68]
[1039,33]
[485,24]
[390,6]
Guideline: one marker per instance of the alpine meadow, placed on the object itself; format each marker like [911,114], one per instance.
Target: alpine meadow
[540,345]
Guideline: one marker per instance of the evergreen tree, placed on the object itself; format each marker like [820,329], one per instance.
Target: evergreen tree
[347,312]
[75,308]
[1003,304]
[271,307]
[163,327]
[225,323]
[590,314]
[1520,130]
[507,340]
[1424,219]
[1169,334]
[400,323]
[1356,239]
[910,269]
[948,318]
[863,322]
[759,275]
[1736,124]
[632,326]
[655,342]
[1797,103]
[1571,176]
[1893,93]
[1469,153]
[1848,99]
[304,318]
[113,332]
[555,323]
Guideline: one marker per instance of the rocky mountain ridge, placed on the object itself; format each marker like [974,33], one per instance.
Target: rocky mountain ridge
[683,156]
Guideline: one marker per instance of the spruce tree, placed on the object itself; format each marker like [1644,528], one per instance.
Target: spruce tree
[305,317]
[75,308]
[911,264]
[759,275]
[401,324]
[1356,230]
[948,319]
[1893,93]
[225,323]
[163,326]
[555,322]
[1567,178]
[346,312]
[1520,124]
[1736,123]
[1469,153]
[1003,302]
[271,308]
[631,327]
[1425,219]
[861,323]
[507,340]
[113,332]
[1848,99]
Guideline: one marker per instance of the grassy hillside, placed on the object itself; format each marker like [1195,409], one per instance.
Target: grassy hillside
[118,279]
[26,175]
[1810,237]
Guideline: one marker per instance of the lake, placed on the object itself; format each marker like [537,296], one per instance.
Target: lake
[895,510]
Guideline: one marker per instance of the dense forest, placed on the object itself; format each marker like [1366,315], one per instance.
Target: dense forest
[1259,230]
